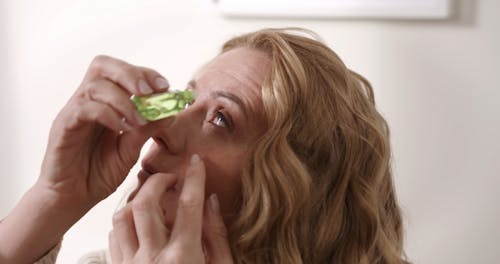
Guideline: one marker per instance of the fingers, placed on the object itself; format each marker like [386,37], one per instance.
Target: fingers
[158,82]
[139,226]
[139,231]
[114,248]
[125,233]
[135,80]
[108,85]
[107,92]
[215,233]
[85,112]
[188,222]
[148,215]
[111,82]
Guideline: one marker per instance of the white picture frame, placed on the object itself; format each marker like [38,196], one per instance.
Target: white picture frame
[392,9]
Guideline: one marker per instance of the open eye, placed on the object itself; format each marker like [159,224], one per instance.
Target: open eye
[220,120]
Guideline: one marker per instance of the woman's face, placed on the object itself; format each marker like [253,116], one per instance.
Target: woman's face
[226,118]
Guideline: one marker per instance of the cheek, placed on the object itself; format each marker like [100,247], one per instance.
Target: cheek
[224,179]
[223,160]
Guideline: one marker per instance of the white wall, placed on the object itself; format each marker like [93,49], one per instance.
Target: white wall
[437,83]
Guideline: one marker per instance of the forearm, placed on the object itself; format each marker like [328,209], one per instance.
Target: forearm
[35,225]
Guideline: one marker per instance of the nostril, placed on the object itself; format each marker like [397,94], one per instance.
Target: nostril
[172,136]
[164,143]
[161,142]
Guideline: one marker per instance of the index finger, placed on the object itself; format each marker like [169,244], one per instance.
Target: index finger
[148,216]
[134,79]
[187,228]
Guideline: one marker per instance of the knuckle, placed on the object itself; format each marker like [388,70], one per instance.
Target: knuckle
[79,112]
[96,113]
[120,216]
[101,57]
[220,231]
[189,202]
[141,203]
[98,61]
[176,256]
[90,88]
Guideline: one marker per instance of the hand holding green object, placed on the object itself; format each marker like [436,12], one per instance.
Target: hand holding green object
[94,142]
[159,106]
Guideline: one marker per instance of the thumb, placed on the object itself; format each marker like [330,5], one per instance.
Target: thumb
[215,231]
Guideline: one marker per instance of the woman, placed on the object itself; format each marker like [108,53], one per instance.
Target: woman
[282,158]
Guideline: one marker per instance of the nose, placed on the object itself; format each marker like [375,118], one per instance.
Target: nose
[176,133]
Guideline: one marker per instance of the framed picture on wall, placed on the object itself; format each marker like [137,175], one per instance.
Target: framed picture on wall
[392,9]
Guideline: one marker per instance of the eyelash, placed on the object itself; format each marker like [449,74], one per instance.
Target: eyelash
[220,117]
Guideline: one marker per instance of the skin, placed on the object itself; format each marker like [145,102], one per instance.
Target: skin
[91,150]
[215,127]
[220,131]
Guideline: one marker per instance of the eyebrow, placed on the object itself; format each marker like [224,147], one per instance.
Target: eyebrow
[230,96]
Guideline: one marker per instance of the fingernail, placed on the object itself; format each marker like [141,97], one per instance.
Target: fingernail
[195,159]
[140,120]
[126,126]
[144,87]
[162,83]
[214,203]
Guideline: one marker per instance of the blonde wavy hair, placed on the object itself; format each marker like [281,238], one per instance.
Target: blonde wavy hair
[318,186]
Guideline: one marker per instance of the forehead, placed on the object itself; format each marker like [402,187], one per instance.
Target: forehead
[241,71]
[248,66]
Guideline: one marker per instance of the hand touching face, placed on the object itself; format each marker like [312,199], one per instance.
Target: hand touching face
[222,124]
[198,154]
[140,234]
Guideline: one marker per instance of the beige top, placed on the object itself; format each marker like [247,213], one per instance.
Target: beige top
[95,257]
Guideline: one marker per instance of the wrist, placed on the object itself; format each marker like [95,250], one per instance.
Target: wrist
[36,224]
[74,203]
